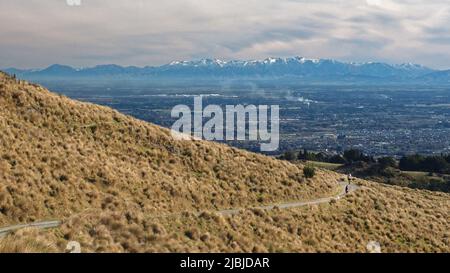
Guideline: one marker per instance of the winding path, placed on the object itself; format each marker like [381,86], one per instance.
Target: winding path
[341,194]
[56,223]
[40,225]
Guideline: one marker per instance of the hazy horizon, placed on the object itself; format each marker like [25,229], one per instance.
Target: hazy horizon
[198,59]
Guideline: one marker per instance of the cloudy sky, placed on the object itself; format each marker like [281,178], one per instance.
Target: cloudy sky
[36,33]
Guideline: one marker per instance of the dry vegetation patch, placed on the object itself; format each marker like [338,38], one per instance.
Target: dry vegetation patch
[59,157]
[123,185]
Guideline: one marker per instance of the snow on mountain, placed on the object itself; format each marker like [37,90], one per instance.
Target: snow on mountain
[300,67]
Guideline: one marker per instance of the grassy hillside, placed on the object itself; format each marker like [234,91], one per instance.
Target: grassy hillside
[124,185]
[61,157]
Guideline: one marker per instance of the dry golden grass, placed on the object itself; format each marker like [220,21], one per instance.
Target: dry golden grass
[401,220]
[59,157]
[27,240]
[123,185]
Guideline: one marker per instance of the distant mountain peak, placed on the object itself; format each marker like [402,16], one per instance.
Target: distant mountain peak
[299,67]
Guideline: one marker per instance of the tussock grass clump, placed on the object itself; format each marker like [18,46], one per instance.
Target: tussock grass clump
[27,241]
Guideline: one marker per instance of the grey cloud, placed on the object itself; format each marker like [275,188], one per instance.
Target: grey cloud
[36,33]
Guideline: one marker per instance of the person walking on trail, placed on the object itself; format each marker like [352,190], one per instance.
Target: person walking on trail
[349,178]
[347,189]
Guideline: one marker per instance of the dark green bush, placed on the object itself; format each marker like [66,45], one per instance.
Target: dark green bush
[309,171]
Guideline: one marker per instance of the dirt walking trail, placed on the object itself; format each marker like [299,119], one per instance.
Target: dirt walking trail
[345,189]
[342,193]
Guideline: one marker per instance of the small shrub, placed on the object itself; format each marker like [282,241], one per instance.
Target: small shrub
[192,234]
[289,156]
[309,171]
[63,178]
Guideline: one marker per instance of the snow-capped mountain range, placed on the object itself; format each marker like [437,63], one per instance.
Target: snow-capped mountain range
[271,68]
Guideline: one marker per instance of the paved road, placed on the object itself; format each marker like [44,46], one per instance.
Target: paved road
[52,224]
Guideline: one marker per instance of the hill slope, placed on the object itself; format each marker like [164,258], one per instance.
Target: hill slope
[61,156]
[120,184]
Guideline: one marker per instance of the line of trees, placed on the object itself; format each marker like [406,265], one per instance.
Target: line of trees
[349,156]
[432,164]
